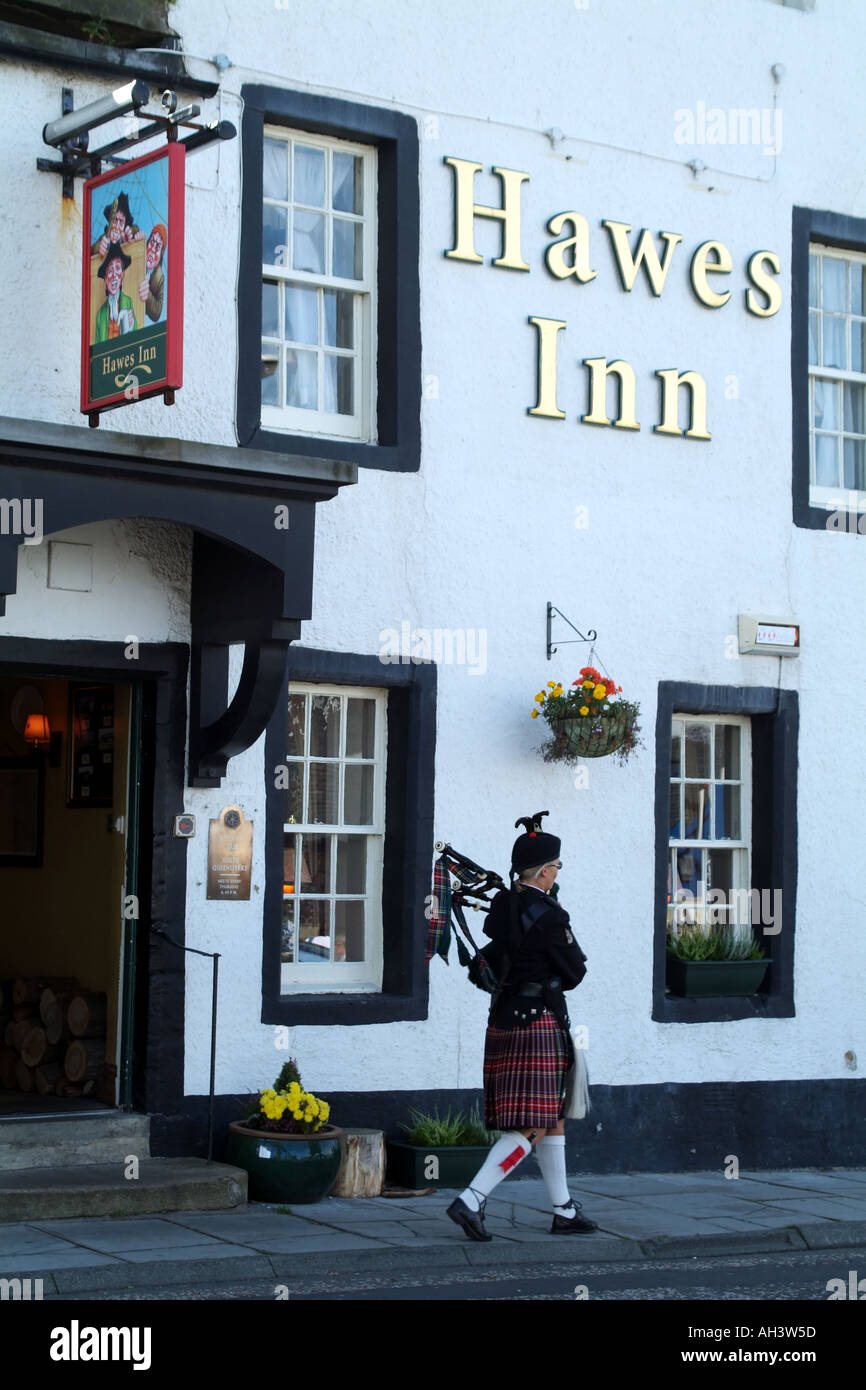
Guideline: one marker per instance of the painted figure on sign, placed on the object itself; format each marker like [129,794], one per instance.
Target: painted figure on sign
[151,291]
[119,226]
[115,316]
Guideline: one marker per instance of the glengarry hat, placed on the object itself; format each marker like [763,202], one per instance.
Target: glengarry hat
[535,847]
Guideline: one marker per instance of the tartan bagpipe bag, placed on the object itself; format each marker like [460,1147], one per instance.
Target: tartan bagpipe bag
[488,966]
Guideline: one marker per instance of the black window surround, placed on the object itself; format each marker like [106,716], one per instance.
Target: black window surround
[774,716]
[849,234]
[398,329]
[408,857]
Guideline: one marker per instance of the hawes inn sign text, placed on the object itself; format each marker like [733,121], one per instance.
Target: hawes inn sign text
[569,257]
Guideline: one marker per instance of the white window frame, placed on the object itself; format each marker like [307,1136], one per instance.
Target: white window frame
[688,912]
[334,977]
[838,497]
[360,425]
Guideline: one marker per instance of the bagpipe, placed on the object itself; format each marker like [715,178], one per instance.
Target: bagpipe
[473,888]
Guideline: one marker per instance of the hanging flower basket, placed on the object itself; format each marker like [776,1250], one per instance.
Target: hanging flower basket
[587,721]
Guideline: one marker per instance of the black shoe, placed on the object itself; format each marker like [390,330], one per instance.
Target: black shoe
[471,1221]
[576,1225]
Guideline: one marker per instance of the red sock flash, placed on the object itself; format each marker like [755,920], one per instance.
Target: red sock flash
[511,1160]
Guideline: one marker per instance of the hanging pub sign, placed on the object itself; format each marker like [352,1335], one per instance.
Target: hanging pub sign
[132,282]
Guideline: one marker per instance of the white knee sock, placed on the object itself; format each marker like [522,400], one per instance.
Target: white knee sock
[509,1150]
[550,1152]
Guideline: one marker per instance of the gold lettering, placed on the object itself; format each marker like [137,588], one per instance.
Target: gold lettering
[548,329]
[466,210]
[554,257]
[645,255]
[701,268]
[599,369]
[771,288]
[671,383]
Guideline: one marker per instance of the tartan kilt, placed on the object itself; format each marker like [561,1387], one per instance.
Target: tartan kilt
[525,1073]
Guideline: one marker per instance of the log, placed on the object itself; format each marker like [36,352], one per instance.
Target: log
[362,1169]
[28,991]
[88,1087]
[24,1075]
[21,1011]
[63,1088]
[9,1033]
[55,1023]
[49,999]
[86,1015]
[83,1060]
[33,1047]
[8,1058]
[46,1078]
[19,1033]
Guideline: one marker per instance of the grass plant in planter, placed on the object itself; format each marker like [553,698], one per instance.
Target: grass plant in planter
[723,960]
[439,1150]
[588,720]
[285,1144]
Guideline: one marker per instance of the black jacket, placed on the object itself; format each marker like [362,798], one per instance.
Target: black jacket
[546,952]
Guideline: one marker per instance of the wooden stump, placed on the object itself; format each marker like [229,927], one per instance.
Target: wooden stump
[34,1047]
[86,1015]
[83,1060]
[362,1171]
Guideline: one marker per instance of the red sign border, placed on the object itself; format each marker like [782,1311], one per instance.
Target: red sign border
[175,153]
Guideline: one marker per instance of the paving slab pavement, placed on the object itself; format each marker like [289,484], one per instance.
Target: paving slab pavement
[640,1216]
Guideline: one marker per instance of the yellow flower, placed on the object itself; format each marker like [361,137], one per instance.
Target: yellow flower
[599,692]
[551,684]
[558,691]
[539,699]
[587,685]
[534,714]
[584,709]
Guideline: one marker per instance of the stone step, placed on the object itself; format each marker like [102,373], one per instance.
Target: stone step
[100,1189]
[50,1141]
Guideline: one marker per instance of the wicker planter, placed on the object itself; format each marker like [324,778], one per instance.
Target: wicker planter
[588,736]
[708,979]
[286,1167]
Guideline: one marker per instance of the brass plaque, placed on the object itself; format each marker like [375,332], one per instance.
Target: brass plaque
[229,855]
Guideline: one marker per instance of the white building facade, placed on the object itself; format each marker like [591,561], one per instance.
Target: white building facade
[317,585]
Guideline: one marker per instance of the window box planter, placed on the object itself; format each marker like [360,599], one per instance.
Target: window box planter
[705,979]
[456,1165]
[295,1168]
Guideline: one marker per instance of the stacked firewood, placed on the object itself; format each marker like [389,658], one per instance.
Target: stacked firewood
[52,1036]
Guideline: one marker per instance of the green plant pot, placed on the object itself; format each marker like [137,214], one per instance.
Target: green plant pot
[296,1168]
[589,737]
[704,979]
[409,1165]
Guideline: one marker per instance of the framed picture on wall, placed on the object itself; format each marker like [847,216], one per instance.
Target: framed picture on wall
[22,785]
[91,746]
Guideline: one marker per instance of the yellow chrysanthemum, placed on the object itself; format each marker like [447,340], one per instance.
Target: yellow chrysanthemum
[534,714]
[587,685]
[551,684]
[599,692]
[584,709]
[539,699]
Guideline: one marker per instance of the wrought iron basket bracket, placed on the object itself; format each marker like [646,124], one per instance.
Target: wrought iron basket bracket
[551,650]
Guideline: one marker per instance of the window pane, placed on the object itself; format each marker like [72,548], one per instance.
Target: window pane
[287,931]
[826,405]
[814,328]
[676,748]
[339,316]
[360,728]
[314,936]
[853,408]
[270,309]
[857,271]
[348,249]
[275,173]
[348,183]
[697,812]
[270,373]
[290,850]
[349,931]
[834,342]
[301,388]
[727,752]
[675,812]
[274,235]
[316,864]
[813,281]
[302,314]
[325,726]
[297,712]
[309,242]
[689,886]
[826,466]
[339,383]
[728,813]
[854,473]
[324,794]
[309,176]
[295,794]
[351,864]
[358,805]
[697,750]
[833,284]
[858,346]
[720,870]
